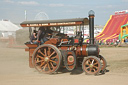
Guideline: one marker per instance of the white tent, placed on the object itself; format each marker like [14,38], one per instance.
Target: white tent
[7,28]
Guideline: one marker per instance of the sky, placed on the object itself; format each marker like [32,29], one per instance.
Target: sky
[14,10]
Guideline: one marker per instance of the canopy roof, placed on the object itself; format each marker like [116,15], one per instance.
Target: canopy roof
[59,22]
[8,26]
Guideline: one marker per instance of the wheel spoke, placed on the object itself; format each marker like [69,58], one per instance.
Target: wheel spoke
[40,57]
[90,69]
[87,64]
[52,54]
[54,57]
[52,65]
[41,53]
[45,52]
[49,52]
[42,64]
[95,63]
[95,67]
[89,61]
[49,67]
[92,61]
[53,61]
[87,68]
[39,61]
[45,66]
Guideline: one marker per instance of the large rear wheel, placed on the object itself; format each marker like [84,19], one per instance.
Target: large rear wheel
[47,58]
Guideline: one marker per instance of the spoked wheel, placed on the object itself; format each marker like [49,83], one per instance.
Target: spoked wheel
[47,58]
[103,63]
[91,65]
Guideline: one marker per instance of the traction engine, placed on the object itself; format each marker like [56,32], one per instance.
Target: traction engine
[61,51]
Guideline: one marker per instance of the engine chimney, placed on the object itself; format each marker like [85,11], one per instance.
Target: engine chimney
[91,26]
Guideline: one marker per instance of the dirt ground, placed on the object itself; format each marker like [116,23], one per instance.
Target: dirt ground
[14,70]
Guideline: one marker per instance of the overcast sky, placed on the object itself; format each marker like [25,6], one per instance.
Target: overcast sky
[14,10]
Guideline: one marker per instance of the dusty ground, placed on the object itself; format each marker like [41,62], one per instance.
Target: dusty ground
[14,70]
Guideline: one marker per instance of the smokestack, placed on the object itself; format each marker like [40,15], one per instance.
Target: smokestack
[91,26]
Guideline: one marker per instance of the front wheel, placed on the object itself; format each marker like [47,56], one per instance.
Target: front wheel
[91,65]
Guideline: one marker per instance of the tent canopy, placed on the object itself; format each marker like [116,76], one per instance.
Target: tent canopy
[8,26]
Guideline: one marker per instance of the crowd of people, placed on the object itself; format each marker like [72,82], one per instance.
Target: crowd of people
[114,42]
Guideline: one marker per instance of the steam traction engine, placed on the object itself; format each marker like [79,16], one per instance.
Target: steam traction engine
[64,51]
